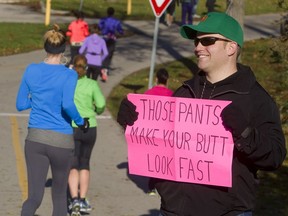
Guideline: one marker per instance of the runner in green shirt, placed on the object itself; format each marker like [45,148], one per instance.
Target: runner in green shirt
[89,101]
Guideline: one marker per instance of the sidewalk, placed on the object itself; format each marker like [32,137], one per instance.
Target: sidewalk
[112,190]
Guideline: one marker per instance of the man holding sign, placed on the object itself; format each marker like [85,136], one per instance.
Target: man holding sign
[252,117]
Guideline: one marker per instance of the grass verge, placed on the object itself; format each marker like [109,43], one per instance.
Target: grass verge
[22,37]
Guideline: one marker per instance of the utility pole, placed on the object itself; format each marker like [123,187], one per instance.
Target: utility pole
[48,12]
[129,7]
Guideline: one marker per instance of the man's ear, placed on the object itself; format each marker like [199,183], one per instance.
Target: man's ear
[232,48]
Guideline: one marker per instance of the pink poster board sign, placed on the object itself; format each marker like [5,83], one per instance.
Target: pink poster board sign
[180,139]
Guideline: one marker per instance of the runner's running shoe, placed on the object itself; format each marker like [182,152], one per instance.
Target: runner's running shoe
[75,209]
[152,192]
[85,205]
[104,74]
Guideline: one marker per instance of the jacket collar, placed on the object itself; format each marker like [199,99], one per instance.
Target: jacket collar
[240,82]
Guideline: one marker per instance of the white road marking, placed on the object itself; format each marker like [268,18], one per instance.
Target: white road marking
[27,115]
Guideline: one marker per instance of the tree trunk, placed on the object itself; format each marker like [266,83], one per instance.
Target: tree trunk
[235,8]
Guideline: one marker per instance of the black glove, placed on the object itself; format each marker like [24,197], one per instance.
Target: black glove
[234,120]
[127,114]
[85,126]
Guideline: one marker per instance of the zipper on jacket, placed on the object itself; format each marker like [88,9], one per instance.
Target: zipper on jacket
[215,95]
[191,90]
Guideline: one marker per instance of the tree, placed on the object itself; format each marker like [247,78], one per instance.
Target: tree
[235,8]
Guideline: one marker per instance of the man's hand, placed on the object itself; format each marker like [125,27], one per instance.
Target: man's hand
[234,120]
[127,114]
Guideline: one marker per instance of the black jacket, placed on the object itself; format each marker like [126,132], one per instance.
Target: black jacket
[263,149]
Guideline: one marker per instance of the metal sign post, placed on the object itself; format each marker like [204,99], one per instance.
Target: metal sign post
[153,56]
[81,5]
[158,6]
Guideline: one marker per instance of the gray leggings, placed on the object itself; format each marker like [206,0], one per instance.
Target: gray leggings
[38,158]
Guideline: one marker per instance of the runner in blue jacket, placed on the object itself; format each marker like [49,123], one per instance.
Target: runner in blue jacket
[110,27]
[47,88]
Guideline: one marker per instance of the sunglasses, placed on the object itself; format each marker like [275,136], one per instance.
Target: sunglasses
[207,41]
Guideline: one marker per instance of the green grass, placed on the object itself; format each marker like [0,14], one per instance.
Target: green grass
[22,37]
[272,197]
[19,38]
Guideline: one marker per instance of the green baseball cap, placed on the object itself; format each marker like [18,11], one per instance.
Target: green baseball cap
[215,23]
